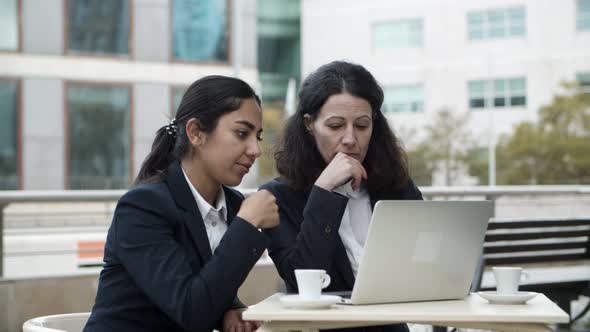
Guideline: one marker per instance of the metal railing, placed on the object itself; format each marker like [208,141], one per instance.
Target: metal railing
[490,193]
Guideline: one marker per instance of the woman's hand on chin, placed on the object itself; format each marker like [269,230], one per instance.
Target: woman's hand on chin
[340,170]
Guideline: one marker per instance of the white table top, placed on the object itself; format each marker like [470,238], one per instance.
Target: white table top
[473,310]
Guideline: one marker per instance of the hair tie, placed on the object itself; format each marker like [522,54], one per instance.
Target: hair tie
[171,128]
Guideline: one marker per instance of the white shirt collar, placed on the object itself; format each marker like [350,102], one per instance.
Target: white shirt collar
[204,206]
[346,190]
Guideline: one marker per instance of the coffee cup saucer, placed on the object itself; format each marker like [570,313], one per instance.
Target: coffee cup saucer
[296,302]
[518,298]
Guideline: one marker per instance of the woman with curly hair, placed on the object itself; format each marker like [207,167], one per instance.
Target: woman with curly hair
[337,158]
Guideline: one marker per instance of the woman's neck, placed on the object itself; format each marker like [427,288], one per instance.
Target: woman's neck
[205,185]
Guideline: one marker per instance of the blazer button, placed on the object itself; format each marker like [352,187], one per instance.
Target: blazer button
[254,252]
[328,229]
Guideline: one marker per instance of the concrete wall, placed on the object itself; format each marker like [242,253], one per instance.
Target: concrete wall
[43,26]
[22,299]
[151,18]
[551,51]
[43,134]
[247,33]
[152,108]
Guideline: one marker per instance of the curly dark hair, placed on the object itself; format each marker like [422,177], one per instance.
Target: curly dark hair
[298,160]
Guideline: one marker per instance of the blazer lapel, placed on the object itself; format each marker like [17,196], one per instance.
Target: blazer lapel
[232,204]
[192,217]
[341,261]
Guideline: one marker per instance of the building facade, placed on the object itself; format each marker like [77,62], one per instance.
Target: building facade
[496,61]
[279,46]
[84,85]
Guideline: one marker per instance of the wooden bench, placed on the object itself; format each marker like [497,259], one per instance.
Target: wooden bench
[556,254]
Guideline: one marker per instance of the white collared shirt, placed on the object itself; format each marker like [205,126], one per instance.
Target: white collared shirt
[355,223]
[215,218]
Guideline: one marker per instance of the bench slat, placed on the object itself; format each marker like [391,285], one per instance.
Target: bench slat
[538,224]
[535,247]
[552,242]
[532,259]
[534,235]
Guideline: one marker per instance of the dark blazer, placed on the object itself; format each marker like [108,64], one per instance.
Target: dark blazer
[159,274]
[307,237]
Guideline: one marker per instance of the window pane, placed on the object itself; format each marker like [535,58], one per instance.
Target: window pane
[8,125]
[516,31]
[475,25]
[417,106]
[200,30]
[517,91]
[516,15]
[98,26]
[8,25]
[99,137]
[517,86]
[476,19]
[415,39]
[177,94]
[480,94]
[583,15]
[583,24]
[516,21]
[499,102]
[380,36]
[499,88]
[278,55]
[408,98]
[476,103]
[476,34]
[397,34]
[497,23]
[584,80]
[518,101]
[477,88]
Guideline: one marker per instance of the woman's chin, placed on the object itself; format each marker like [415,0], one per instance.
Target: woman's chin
[233,181]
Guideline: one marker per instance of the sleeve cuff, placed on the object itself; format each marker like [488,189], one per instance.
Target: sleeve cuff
[251,238]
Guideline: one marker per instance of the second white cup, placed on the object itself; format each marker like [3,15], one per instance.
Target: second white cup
[311,282]
[508,279]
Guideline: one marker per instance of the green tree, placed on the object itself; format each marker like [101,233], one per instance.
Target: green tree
[556,150]
[421,164]
[443,148]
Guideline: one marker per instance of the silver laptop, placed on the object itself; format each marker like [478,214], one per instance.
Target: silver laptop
[421,251]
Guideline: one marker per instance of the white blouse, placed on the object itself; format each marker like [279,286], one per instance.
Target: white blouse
[215,218]
[355,223]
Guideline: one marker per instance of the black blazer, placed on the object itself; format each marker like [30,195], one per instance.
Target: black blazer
[159,274]
[307,237]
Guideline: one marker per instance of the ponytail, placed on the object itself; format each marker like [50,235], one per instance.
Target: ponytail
[160,157]
[206,100]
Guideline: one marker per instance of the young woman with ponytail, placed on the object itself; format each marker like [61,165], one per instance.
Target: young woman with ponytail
[182,242]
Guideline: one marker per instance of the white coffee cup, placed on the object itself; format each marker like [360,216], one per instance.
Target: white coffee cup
[508,279]
[311,282]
